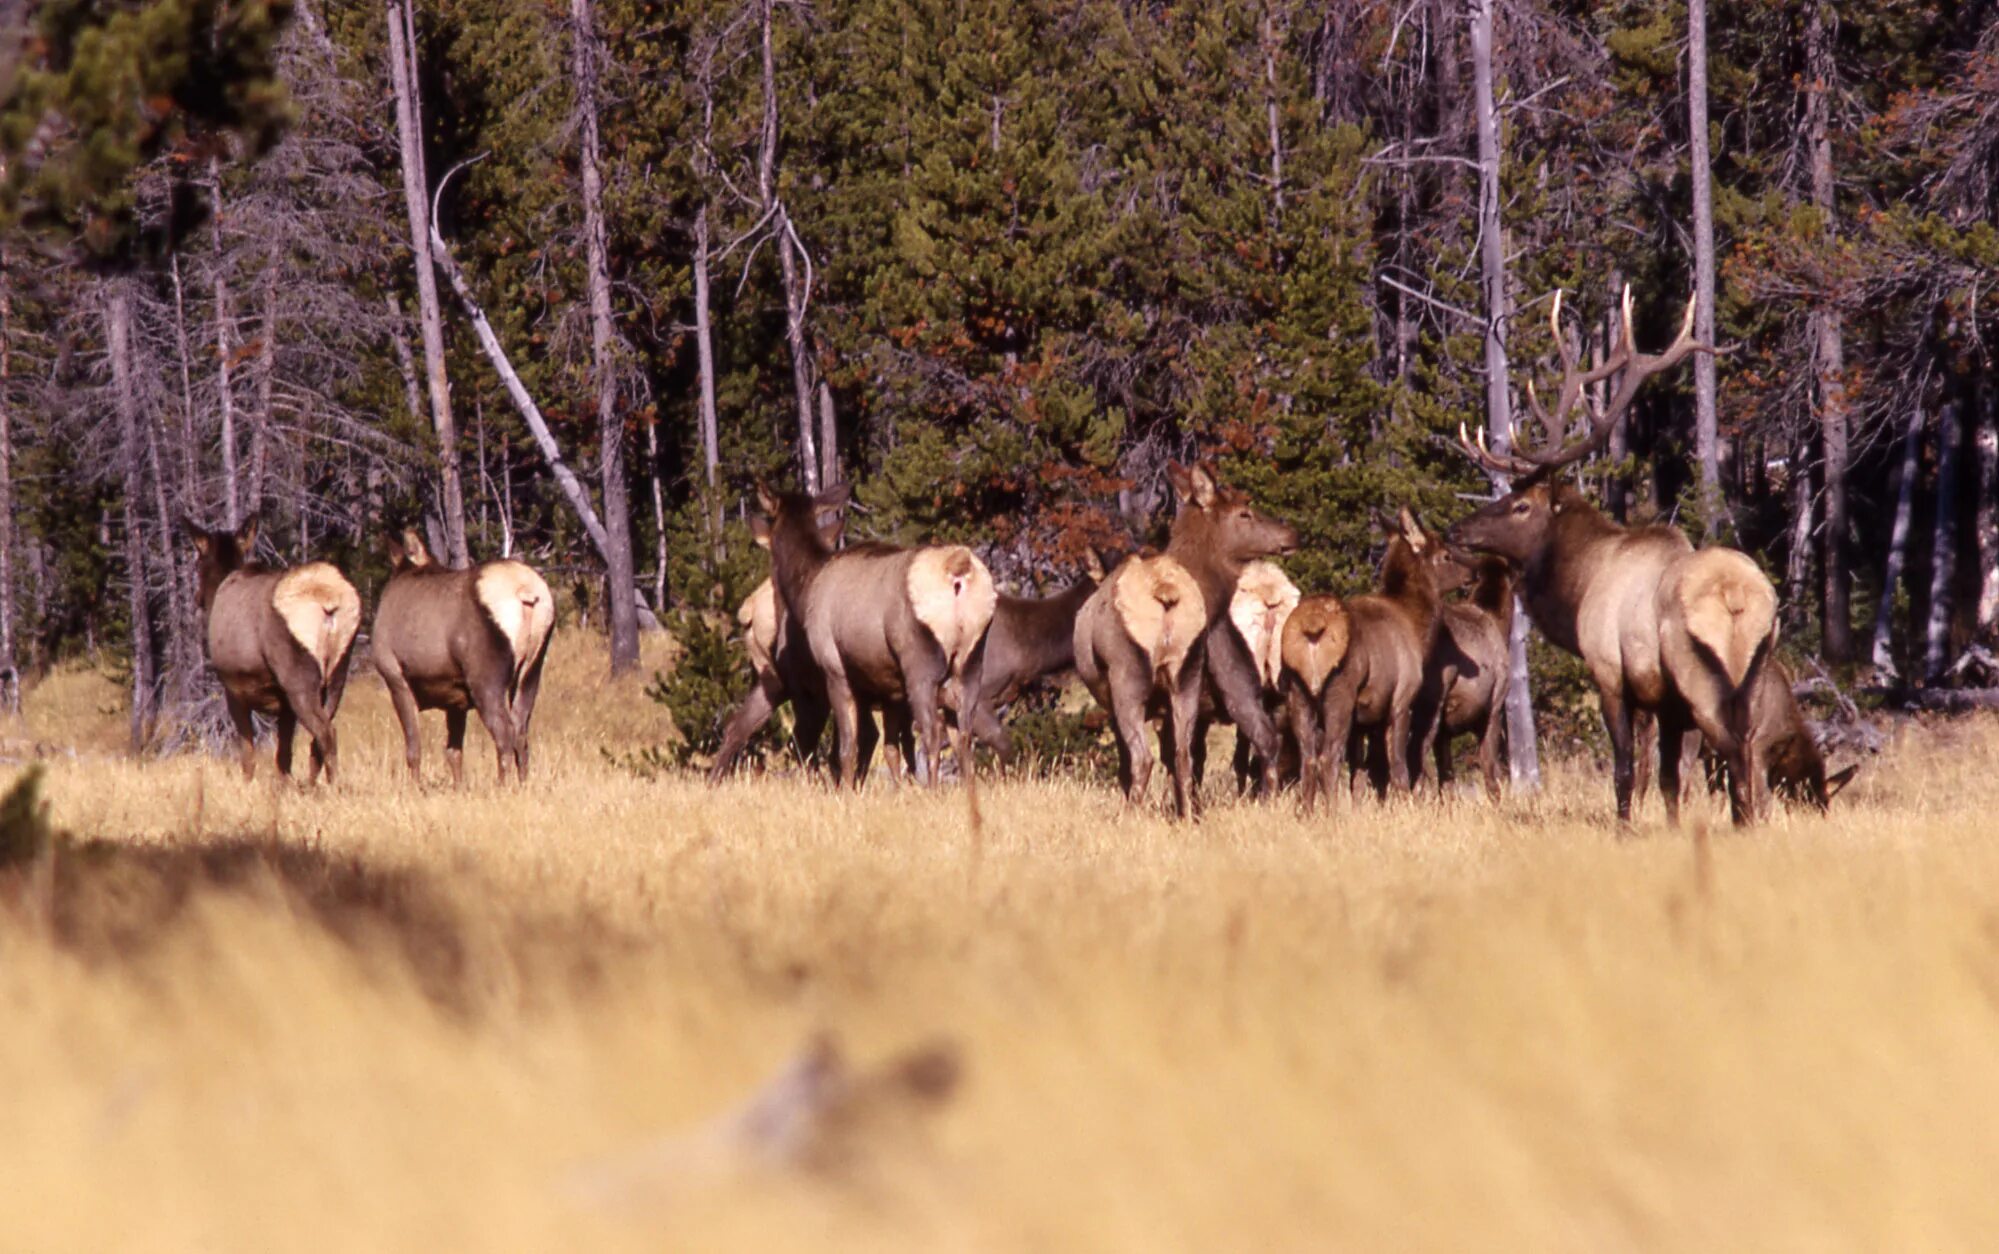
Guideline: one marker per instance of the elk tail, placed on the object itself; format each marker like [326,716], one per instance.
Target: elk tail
[321,611]
[1162,610]
[517,601]
[1315,640]
[1730,608]
[952,594]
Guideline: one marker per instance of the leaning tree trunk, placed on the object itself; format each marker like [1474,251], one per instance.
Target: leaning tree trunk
[1829,347]
[10,670]
[1707,438]
[1522,753]
[118,336]
[704,348]
[1898,545]
[1943,549]
[620,591]
[796,286]
[416,202]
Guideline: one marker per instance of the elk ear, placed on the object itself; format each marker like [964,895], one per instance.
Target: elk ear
[195,533]
[760,530]
[832,529]
[1093,564]
[394,548]
[1838,782]
[415,551]
[1413,530]
[246,537]
[766,499]
[1205,487]
[835,497]
[1182,480]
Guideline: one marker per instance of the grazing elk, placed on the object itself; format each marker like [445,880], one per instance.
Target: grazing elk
[280,642]
[1663,627]
[884,625]
[1793,766]
[463,640]
[1264,598]
[1369,686]
[1141,638]
[1464,685]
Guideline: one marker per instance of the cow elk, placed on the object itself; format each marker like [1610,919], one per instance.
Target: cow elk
[1355,667]
[1464,685]
[459,641]
[1141,638]
[1793,765]
[1264,598]
[884,625]
[1662,627]
[280,642]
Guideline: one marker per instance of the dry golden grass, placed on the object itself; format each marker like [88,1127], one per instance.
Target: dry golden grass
[1412,1027]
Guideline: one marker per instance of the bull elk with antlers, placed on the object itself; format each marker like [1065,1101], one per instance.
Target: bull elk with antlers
[1663,627]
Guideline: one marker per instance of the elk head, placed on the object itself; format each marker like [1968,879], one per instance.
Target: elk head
[1516,525]
[1220,522]
[823,516]
[407,551]
[1449,567]
[218,553]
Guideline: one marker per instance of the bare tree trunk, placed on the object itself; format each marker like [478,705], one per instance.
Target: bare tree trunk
[796,286]
[1943,550]
[1798,563]
[1988,507]
[402,72]
[267,366]
[620,590]
[232,506]
[1523,756]
[189,479]
[704,347]
[1898,544]
[1828,340]
[1707,441]
[118,335]
[10,670]
[658,516]
[829,436]
[1272,118]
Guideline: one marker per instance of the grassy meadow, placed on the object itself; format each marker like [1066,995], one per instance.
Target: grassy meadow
[388,1017]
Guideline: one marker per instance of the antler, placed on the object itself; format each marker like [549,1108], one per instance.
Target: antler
[1632,369]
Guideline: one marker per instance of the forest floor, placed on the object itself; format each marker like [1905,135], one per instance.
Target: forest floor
[389,1017]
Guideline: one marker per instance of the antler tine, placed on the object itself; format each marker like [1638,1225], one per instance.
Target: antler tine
[1637,367]
[1492,463]
[1574,384]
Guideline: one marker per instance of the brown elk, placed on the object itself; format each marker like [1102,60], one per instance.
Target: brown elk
[1368,686]
[280,642]
[884,625]
[1464,685]
[1264,598]
[1793,766]
[463,640]
[1141,638]
[1662,627]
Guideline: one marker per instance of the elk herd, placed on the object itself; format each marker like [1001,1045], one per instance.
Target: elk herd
[1207,631]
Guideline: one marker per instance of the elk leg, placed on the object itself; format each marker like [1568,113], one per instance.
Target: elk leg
[1128,694]
[762,701]
[1241,763]
[1617,719]
[523,713]
[1337,733]
[1488,748]
[1305,726]
[847,726]
[454,746]
[871,739]
[325,749]
[287,727]
[1673,727]
[490,699]
[246,733]
[1398,750]
[808,726]
[1644,731]
[991,733]
[1183,722]
[929,721]
[404,700]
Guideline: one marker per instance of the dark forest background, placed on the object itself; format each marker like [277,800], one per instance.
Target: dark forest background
[562,278]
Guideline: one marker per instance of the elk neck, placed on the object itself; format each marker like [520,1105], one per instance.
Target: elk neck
[797,554]
[1194,544]
[1406,582]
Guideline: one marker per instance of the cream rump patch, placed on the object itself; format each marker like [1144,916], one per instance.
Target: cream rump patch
[518,602]
[1728,605]
[1316,635]
[952,594]
[320,610]
[758,617]
[1264,598]
[1161,609]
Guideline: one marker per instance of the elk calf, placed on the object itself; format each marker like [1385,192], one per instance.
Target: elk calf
[884,625]
[1793,766]
[1370,686]
[1464,685]
[279,640]
[1141,639]
[463,640]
